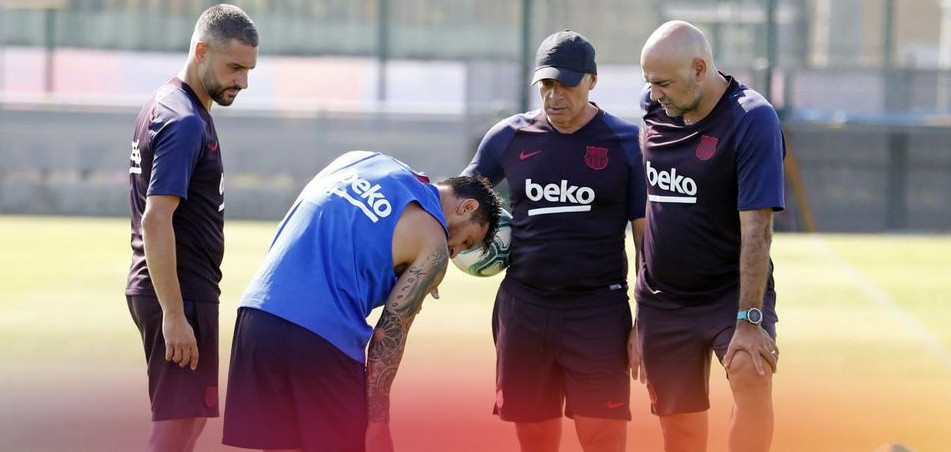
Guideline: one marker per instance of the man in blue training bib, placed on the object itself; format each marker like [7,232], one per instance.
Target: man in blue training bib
[366,232]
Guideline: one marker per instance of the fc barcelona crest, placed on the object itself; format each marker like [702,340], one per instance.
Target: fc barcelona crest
[596,157]
[706,148]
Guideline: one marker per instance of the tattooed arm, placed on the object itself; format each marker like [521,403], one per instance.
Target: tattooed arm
[389,336]
[420,251]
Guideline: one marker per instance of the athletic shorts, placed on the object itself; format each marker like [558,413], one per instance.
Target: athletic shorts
[179,392]
[288,388]
[676,346]
[567,358]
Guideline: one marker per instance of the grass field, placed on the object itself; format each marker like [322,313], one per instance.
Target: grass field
[864,337]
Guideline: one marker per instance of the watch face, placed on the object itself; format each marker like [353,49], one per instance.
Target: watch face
[755,315]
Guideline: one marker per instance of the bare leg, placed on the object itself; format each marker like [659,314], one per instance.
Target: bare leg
[685,432]
[542,436]
[175,435]
[198,426]
[751,423]
[601,435]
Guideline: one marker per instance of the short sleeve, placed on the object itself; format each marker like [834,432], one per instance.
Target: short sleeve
[487,161]
[760,152]
[176,146]
[628,135]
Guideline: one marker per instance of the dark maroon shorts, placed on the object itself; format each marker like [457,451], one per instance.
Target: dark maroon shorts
[289,388]
[677,347]
[179,392]
[569,356]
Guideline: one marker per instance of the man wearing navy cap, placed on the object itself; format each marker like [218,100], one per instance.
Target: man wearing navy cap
[562,320]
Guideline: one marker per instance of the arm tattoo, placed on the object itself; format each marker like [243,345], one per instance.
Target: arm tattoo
[389,336]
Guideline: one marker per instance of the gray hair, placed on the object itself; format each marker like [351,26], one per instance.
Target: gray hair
[220,24]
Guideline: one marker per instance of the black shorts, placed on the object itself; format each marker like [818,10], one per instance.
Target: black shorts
[567,357]
[288,388]
[676,346]
[179,392]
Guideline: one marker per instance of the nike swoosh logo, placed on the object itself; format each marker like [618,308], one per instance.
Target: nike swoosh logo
[527,155]
[612,404]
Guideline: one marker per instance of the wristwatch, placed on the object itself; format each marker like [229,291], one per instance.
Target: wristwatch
[752,315]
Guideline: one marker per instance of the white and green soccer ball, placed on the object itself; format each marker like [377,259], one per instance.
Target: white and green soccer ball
[474,262]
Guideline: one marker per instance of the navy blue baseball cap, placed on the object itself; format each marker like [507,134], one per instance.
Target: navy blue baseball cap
[565,56]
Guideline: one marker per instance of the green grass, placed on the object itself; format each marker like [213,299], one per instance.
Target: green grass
[863,333]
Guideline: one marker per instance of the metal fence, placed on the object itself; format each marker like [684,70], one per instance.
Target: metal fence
[869,177]
[866,114]
[854,176]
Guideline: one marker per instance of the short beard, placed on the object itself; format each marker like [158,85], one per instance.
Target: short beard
[214,89]
[693,101]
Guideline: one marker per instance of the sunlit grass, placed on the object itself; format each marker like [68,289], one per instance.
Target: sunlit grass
[852,375]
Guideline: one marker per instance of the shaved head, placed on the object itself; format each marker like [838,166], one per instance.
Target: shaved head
[678,43]
[677,63]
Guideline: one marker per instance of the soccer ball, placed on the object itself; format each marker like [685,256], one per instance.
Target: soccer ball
[473,262]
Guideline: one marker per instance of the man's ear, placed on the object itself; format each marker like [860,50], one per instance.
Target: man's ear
[468,206]
[699,68]
[201,49]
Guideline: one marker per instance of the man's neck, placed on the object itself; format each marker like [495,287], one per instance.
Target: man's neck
[590,110]
[189,76]
[446,197]
[711,97]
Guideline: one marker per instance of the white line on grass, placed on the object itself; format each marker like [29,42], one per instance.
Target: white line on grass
[888,304]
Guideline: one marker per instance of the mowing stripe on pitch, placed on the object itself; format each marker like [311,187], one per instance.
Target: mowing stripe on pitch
[888,304]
